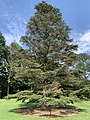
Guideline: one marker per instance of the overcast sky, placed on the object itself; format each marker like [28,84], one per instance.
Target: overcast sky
[14,15]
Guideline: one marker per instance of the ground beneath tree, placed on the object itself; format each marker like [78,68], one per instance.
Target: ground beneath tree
[46,113]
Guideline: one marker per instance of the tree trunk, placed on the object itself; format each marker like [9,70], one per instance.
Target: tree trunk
[44,93]
[8,85]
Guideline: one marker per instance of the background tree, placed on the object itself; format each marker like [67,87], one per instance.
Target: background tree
[3,66]
[21,68]
[83,64]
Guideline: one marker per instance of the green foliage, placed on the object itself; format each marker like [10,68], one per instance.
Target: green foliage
[30,97]
[83,64]
[47,39]
[84,93]
[2,55]
[46,62]
[3,66]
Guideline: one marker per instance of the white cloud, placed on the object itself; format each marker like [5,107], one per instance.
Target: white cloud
[12,21]
[8,38]
[11,38]
[83,41]
[16,28]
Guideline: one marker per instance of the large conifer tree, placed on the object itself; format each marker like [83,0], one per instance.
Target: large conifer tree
[47,39]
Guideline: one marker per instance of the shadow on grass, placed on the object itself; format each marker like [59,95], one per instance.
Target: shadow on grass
[35,110]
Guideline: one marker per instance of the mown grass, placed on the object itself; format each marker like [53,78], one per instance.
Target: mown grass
[7,112]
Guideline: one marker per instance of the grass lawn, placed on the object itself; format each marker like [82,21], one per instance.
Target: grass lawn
[7,113]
